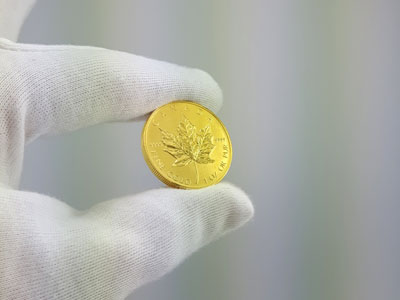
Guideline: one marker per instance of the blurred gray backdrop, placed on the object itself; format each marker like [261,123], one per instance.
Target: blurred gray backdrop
[312,105]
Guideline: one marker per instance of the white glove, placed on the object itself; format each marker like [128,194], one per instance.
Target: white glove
[48,250]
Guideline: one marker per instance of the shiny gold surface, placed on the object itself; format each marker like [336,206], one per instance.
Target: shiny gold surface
[186,146]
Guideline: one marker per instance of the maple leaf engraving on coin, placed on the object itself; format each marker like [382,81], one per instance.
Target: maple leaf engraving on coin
[189,146]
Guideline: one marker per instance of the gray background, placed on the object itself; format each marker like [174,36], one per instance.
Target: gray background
[312,106]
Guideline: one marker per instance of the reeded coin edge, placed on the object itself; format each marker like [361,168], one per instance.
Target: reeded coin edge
[158,174]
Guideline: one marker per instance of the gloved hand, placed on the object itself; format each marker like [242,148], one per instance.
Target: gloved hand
[48,250]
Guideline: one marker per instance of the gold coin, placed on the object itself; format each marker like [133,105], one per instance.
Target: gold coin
[186,146]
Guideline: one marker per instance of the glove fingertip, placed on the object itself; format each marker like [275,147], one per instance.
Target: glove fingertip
[202,88]
[241,208]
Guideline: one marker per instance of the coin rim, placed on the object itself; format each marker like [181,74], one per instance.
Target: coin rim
[156,172]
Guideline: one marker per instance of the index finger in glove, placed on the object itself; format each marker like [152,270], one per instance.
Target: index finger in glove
[54,89]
